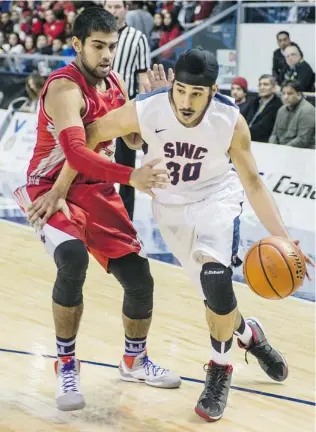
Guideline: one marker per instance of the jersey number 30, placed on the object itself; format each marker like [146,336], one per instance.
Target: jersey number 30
[189,172]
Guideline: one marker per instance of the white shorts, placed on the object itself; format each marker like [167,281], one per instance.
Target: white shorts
[207,228]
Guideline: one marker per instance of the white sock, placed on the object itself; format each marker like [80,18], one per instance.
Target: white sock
[221,351]
[244,332]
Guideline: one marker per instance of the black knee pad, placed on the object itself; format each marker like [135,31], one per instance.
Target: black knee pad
[72,259]
[133,273]
[216,280]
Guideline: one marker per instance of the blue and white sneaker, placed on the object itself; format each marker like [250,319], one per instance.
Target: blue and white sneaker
[68,393]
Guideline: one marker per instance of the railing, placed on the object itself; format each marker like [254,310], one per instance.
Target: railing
[204,25]
[26,63]
[280,12]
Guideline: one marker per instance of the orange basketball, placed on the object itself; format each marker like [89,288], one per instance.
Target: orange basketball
[274,268]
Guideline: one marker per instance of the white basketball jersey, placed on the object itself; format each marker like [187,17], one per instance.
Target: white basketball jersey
[197,157]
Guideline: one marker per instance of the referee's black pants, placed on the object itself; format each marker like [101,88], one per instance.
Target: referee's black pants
[126,156]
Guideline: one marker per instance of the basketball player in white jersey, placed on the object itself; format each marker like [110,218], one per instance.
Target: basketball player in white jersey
[200,136]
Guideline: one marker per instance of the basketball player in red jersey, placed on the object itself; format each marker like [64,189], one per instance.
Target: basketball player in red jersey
[95,219]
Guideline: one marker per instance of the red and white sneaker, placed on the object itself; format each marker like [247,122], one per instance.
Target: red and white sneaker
[68,393]
[141,369]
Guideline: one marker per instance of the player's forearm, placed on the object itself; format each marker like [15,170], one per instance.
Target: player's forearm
[265,208]
[95,166]
[85,161]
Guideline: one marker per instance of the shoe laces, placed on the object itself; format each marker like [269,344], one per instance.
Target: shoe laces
[68,373]
[216,383]
[150,367]
[262,351]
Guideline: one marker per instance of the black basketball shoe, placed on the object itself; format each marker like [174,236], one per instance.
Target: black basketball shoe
[270,360]
[213,400]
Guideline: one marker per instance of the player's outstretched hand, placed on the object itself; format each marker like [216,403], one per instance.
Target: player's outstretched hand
[157,78]
[45,206]
[146,178]
[308,260]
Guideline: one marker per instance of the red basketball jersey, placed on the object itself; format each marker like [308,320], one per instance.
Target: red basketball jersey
[48,157]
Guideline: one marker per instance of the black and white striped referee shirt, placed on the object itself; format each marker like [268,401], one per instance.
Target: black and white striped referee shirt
[132,57]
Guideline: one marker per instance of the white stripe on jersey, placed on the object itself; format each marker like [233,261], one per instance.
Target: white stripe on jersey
[54,158]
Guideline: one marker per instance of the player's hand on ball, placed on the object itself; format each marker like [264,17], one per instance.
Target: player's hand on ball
[157,78]
[45,206]
[307,259]
[147,177]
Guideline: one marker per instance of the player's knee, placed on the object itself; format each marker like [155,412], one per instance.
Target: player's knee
[72,259]
[133,272]
[216,280]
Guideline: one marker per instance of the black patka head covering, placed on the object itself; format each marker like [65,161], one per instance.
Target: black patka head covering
[196,67]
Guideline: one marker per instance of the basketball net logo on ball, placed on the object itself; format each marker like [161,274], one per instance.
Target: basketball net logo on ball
[274,268]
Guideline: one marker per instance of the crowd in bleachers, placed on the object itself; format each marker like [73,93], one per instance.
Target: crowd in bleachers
[280,114]
[33,26]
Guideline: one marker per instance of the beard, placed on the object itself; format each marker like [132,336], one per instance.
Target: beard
[95,72]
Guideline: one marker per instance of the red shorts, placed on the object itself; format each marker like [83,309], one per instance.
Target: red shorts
[98,218]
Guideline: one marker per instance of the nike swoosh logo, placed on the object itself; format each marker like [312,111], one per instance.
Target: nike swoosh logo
[159,130]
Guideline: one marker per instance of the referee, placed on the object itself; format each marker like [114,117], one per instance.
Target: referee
[131,61]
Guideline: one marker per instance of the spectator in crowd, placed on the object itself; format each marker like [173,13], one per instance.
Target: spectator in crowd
[171,29]
[68,49]
[68,30]
[151,7]
[295,122]
[203,10]
[279,64]
[42,46]
[192,12]
[156,31]
[66,6]
[132,59]
[184,11]
[239,91]
[139,18]
[31,25]
[16,20]
[6,25]
[14,45]
[165,6]
[57,46]
[71,16]
[29,45]
[55,24]
[33,86]
[265,109]
[298,69]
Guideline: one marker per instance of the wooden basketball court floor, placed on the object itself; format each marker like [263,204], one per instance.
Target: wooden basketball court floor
[178,340]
